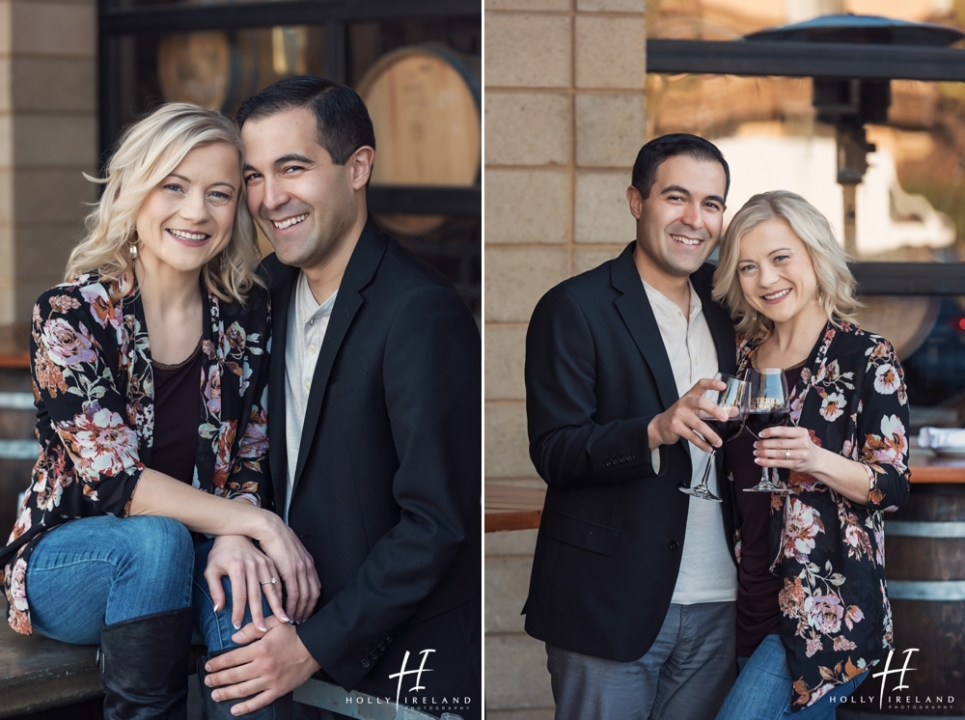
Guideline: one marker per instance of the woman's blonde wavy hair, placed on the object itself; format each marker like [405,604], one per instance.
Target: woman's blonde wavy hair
[147,152]
[836,284]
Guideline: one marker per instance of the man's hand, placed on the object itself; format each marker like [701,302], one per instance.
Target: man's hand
[295,566]
[246,567]
[270,664]
[682,420]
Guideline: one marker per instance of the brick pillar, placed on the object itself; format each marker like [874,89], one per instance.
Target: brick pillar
[48,137]
[565,117]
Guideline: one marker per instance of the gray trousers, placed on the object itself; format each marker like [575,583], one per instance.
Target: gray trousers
[685,675]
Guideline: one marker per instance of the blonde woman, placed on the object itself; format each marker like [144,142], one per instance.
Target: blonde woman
[150,368]
[812,607]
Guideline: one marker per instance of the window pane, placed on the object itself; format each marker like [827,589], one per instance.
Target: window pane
[933,355]
[221,68]
[910,205]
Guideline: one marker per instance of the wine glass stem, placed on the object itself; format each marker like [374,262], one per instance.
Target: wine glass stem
[710,464]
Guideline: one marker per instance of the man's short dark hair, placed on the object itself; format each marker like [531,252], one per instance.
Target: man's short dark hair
[343,120]
[659,149]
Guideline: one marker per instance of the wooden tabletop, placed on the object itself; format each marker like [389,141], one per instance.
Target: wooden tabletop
[927,467]
[38,673]
[511,507]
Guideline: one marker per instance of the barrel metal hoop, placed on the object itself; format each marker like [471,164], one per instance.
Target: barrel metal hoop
[19,449]
[16,401]
[905,528]
[938,590]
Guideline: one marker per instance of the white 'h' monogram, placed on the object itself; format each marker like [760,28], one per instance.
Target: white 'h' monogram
[888,671]
[418,673]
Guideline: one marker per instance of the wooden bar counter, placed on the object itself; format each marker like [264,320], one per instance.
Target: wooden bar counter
[513,507]
[15,346]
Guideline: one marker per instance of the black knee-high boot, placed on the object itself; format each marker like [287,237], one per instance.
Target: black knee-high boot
[144,666]
[280,709]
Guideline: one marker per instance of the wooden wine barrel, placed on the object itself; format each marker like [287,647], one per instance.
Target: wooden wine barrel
[904,321]
[220,70]
[425,106]
[18,445]
[925,567]
[196,68]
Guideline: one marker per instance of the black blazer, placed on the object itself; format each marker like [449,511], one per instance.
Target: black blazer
[387,481]
[612,531]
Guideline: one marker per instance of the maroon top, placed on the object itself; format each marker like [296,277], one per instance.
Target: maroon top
[176,392]
[758,613]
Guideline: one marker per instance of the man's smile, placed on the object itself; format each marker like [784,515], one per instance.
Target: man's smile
[289,222]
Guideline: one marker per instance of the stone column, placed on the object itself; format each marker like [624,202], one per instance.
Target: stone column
[48,137]
[564,121]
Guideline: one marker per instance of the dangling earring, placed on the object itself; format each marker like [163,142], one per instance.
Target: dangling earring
[132,248]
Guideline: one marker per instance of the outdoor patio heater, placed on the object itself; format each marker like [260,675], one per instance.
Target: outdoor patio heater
[850,104]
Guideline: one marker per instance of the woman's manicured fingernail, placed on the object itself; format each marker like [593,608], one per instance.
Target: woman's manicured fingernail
[237,625]
[263,627]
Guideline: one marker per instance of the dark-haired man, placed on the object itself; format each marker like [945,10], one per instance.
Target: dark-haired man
[374,420]
[633,582]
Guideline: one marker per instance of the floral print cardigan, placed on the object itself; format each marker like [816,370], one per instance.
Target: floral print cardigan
[829,551]
[94,392]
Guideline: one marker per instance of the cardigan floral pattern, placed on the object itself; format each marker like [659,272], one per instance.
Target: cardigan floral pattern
[829,551]
[94,391]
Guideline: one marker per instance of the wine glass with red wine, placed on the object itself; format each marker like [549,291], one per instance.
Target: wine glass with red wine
[767,406]
[733,399]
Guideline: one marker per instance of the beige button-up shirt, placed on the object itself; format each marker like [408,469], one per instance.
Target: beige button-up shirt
[307,323]
[707,573]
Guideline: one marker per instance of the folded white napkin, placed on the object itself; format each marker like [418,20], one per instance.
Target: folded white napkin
[932,437]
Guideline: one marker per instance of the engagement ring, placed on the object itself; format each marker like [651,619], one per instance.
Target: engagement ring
[268,582]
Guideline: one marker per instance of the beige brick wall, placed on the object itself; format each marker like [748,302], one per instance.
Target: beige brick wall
[565,117]
[48,137]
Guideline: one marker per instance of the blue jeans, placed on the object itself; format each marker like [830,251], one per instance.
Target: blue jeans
[763,689]
[98,571]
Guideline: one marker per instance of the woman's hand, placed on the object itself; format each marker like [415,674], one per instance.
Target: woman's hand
[158,494]
[793,448]
[295,566]
[787,447]
[247,568]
